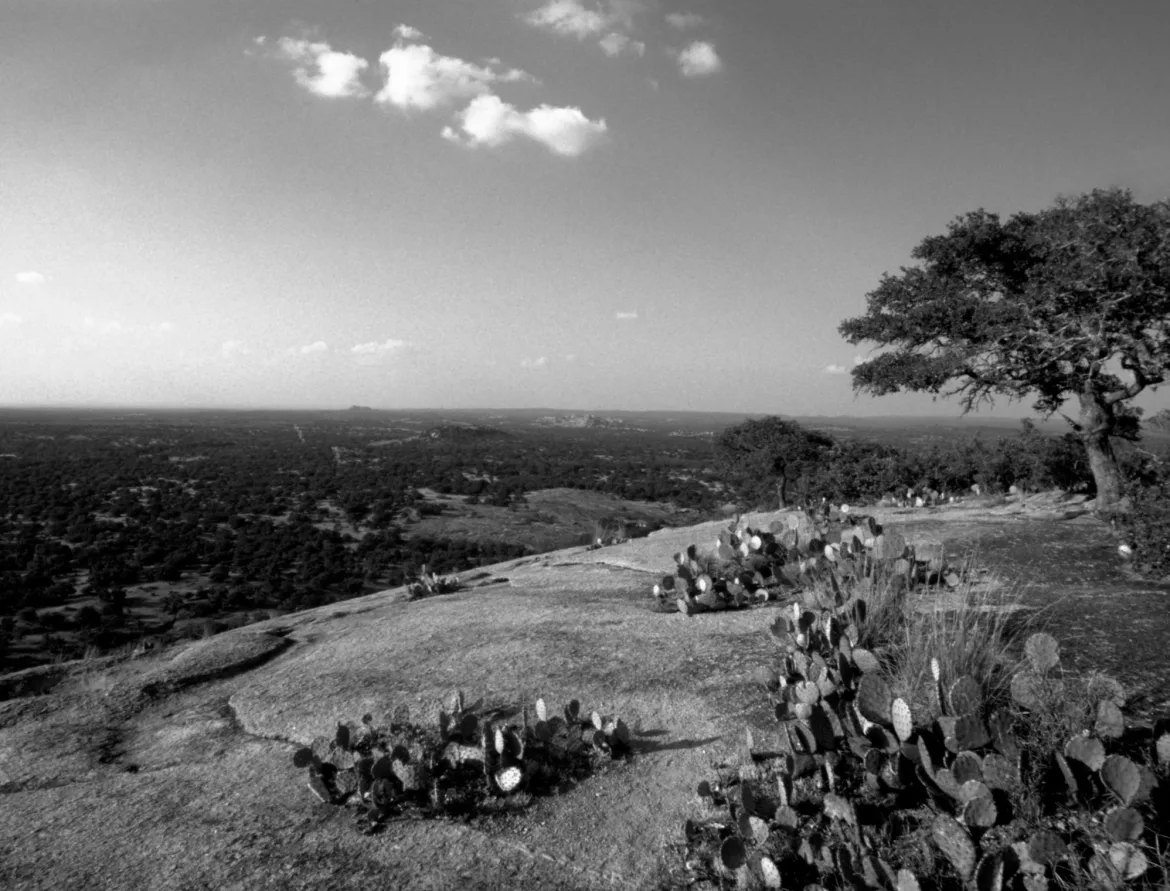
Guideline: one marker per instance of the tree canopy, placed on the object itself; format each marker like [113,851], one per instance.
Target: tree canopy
[1069,302]
[770,448]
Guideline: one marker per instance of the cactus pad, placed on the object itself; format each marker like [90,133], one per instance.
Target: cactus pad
[1046,847]
[1124,824]
[1121,777]
[1043,652]
[1110,723]
[966,697]
[838,807]
[902,718]
[1001,772]
[753,829]
[768,872]
[865,661]
[1127,860]
[808,693]
[1002,737]
[989,874]
[980,812]
[973,789]
[732,853]
[954,841]
[907,881]
[319,787]
[874,698]
[1028,690]
[970,733]
[1162,748]
[508,779]
[967,766]
[945,780]
[1087,750]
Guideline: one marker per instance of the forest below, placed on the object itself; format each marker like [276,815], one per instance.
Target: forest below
[119,527]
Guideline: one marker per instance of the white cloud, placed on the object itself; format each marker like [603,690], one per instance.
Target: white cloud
[419,78]
[162,327]
[534,363]
[699,59]
[489,121]
[405,32]
[835,369]
[231,348]
[374,347]
[684,20]
[616,43]
[321,70]
[110,326]
[571,357]
[30,278]
[318,346]
[858,359]
[569,17]
[625,315]
[9,318]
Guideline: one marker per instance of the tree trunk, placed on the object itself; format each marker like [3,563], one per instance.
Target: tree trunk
[782,491]
[1097,423]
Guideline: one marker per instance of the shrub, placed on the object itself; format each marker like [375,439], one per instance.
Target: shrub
[1147,527]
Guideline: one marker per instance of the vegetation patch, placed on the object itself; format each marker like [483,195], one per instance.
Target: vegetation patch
[429,584]
[1025,781]
[473,762]
[836,552]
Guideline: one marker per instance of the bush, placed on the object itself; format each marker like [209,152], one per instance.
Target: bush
[1147,527]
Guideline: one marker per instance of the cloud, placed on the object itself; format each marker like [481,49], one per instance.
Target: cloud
[625,315]
[30,278]
[534,363]
[489,121]
[699,59]
[858,359]
[571,357]
[318,346]
[684,20]
[835,369]
[405,32]
[231,348]
[321,70]
[9,318]
[419,78]
[366,349]
[615,43]
[569,17]
[110,326]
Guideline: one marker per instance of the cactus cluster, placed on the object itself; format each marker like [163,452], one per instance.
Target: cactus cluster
[429,583]
[473,761]
[753,566]
[854,791]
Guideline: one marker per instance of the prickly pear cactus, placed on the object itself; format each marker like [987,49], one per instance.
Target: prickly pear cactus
[847,762]
[821,561]
[470,762]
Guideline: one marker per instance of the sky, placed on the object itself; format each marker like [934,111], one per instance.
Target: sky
[623,204]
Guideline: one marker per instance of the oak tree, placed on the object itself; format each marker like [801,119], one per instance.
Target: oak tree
[770,448]
[1071,302]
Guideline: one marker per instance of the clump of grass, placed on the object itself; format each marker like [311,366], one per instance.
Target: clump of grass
[968,632]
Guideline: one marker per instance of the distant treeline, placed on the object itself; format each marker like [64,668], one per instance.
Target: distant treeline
[760,456]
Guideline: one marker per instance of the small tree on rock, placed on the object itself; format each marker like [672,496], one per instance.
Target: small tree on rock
[1069,302]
